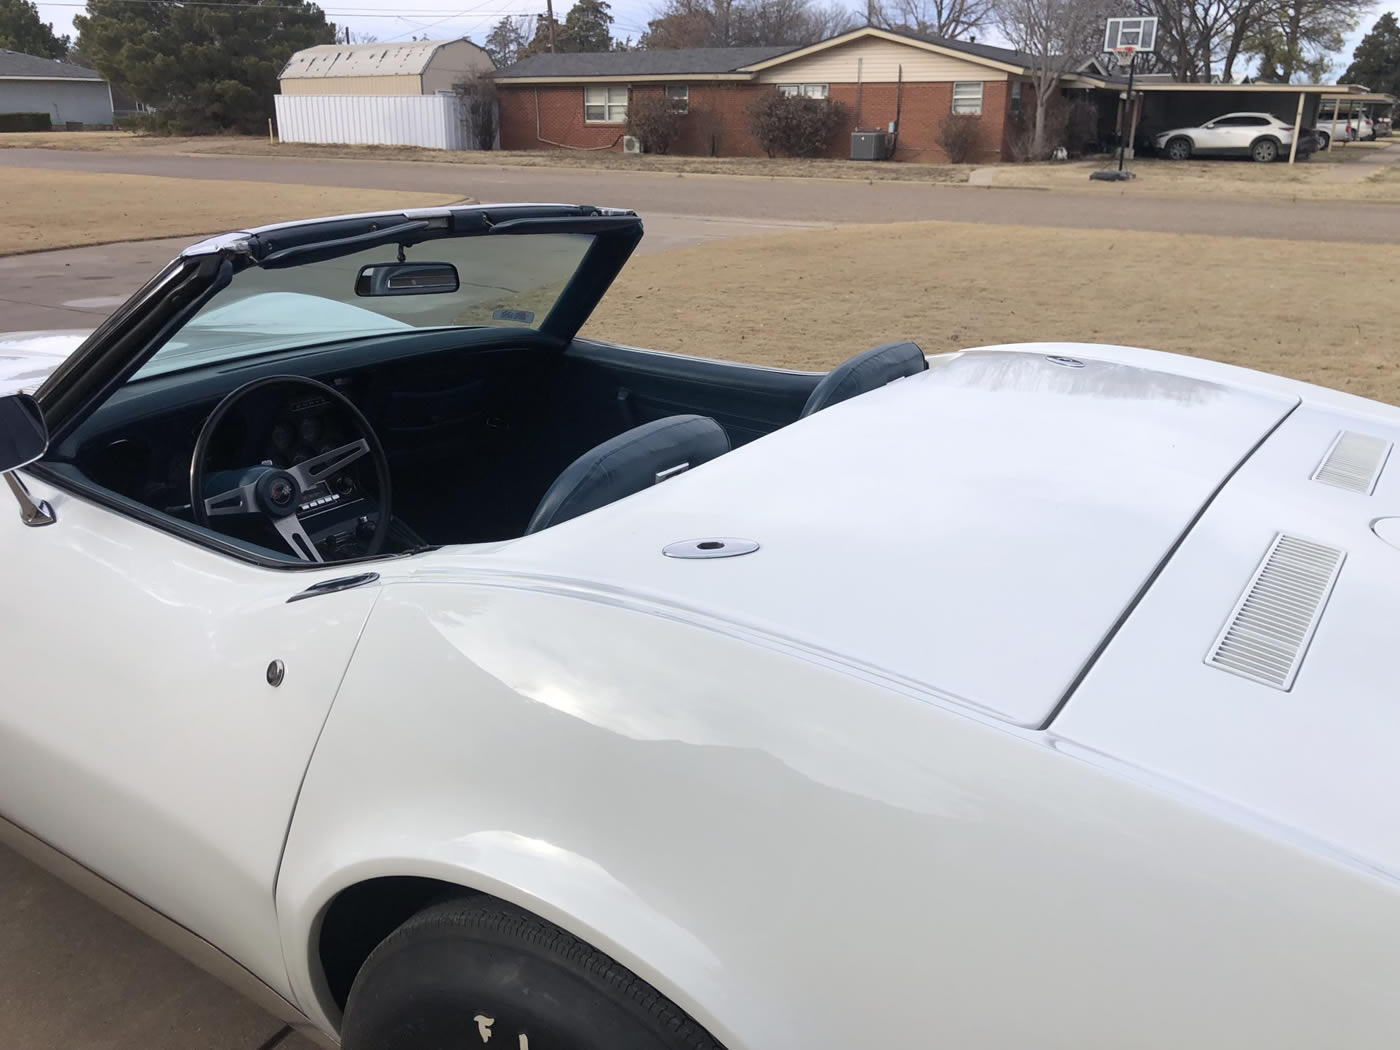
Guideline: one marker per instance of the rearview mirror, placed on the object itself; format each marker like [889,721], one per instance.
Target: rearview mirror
[418,278]
[23,436]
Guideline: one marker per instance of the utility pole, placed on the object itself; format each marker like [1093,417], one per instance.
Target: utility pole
[549,14]
[869,12]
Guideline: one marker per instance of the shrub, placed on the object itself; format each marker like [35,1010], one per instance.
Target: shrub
[961,138]
[794,125]
[654,120]
[154,122]
[24,122]
[479,110]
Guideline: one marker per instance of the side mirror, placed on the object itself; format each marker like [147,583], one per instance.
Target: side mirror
[23,435]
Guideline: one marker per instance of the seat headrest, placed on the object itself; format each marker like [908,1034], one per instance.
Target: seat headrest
[864,372]
[629,463]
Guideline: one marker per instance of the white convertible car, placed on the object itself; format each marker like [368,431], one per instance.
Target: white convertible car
[442,679]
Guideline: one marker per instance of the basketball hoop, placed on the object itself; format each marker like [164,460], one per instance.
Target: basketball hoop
[1124,54]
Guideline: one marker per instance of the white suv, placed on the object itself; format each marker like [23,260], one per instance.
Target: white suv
[1259,135]
[1343,127]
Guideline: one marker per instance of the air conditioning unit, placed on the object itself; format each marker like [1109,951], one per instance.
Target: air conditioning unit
[631,144]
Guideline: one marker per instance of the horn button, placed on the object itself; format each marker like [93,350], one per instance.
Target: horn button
[278,493]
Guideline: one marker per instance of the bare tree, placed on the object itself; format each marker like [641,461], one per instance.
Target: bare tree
[1057,35]
[945,18]
[744,23]
[1194,35]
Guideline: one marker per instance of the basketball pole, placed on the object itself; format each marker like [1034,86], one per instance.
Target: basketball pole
[1128,110]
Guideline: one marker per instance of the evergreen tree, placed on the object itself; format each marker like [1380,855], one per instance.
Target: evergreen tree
[587,27]
[1376,60]
[21,29]
[506,39]
[203,67]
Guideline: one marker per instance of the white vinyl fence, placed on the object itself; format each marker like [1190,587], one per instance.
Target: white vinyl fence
[434,121]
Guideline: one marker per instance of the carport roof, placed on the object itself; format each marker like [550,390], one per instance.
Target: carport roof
[16,65]
[1152,83]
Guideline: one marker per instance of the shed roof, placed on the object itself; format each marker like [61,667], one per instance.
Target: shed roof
[409,58]
[678,62]
[16,65]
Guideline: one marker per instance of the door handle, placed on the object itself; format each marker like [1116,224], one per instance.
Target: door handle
[340,583]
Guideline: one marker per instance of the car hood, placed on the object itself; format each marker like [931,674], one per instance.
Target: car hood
[27,358]
[976,531]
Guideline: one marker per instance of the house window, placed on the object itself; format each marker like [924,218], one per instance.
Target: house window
[967,97]
[605,105]
[678,95]
[805,90]
[1016,86]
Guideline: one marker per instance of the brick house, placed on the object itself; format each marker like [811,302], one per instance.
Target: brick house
[879,77]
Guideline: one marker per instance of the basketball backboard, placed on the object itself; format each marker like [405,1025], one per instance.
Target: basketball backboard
[1140,33]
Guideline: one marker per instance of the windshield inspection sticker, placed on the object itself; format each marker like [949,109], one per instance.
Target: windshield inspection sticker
[503,314]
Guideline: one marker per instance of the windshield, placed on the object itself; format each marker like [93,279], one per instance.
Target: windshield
[504,281]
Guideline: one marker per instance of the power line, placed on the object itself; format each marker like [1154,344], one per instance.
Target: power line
[356,12]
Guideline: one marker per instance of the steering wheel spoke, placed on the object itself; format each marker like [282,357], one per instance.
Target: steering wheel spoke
[274,493]
[240,500]
[292,530]
[317,469]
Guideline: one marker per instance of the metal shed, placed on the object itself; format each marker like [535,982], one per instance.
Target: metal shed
[69,94]
[413,67]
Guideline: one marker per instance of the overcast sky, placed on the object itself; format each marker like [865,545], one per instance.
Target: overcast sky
[445,19]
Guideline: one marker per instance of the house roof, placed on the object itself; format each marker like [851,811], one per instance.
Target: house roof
[15,65]
[737,63]
[679,62]
[409,58]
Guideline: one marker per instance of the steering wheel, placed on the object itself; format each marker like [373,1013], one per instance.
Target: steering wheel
[276,494]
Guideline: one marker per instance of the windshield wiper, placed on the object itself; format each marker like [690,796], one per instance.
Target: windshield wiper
[320,251]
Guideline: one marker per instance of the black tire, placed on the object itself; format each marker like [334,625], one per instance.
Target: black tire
[1178,148]
[1264,151]
[475,966]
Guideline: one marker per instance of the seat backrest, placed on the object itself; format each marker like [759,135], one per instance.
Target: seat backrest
[629,463]
[865,372]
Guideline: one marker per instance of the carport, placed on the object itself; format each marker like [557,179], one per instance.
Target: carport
[1162,104]
[1353,103]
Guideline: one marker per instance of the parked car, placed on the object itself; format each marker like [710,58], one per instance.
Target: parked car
[1383,127]
[444,679]
[1344,127]
[1261,136]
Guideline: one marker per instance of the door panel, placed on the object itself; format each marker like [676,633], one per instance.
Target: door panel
[626,388]
[138,732]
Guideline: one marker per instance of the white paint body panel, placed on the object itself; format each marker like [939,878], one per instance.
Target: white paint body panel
[27,358]
[138,733]
[804,858]
[1319,757]
[968,530]
[797,790]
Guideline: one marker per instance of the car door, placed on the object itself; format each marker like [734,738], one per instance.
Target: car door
[160,705]
[1224,135]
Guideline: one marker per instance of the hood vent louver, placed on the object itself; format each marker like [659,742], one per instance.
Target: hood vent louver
[1353,462]
[1268,632]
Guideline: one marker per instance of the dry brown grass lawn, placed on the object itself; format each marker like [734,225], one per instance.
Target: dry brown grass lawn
[603,160]
[60,209]
[809,299]
[1338,177]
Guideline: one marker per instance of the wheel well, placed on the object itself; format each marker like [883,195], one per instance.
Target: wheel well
[361,916]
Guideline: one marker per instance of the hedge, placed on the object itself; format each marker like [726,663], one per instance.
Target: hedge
[24,122]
